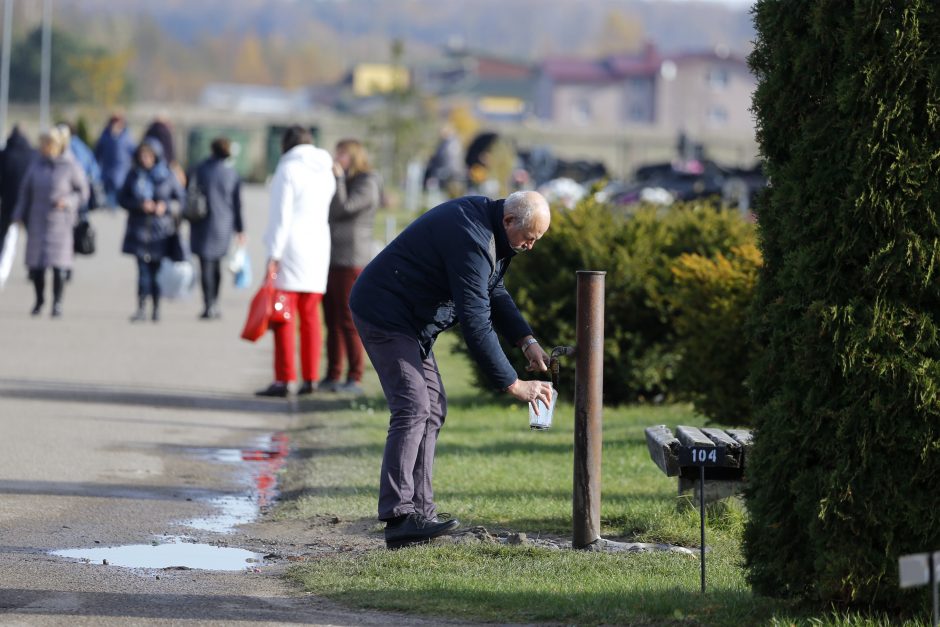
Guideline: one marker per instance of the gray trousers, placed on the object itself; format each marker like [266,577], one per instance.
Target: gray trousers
[418,405]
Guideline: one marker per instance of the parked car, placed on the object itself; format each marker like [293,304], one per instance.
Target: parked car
[665,183]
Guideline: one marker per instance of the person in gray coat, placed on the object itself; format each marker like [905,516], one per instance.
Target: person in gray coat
[52,191]
[211,237]
[352,213]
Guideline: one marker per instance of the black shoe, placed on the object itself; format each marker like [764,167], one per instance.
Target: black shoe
[415,529]
[329,385]
[37,309]
[139,316]
[211,313]
[56,310]
[155,316]
[275,390]
[351,387]
[308,387]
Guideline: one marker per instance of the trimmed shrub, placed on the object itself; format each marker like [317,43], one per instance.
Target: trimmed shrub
[846,464]
[637,251]
[711,300]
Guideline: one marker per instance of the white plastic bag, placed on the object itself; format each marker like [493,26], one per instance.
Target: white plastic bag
[238,260]
[175,278]
[9,252]
[240,266]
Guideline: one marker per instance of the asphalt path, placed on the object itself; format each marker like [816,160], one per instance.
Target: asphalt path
[113,433]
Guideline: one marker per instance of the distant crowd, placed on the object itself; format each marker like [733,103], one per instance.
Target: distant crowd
[318,237]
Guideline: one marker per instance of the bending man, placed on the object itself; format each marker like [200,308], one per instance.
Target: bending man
[446,267]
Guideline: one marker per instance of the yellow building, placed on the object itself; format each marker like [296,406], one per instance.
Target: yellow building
[370,79]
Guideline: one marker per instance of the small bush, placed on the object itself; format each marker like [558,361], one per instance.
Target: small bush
[638,252]
[711,300]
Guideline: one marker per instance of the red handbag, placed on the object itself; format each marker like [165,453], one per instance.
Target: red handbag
[259,312]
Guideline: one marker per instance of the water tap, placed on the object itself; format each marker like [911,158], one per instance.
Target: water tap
[554,366]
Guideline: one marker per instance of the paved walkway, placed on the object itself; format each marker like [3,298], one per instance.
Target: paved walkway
[117,433]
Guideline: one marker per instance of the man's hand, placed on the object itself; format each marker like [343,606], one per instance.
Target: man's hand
[148,206]
[159,208]
[538,358]
[531,392]
[273,266]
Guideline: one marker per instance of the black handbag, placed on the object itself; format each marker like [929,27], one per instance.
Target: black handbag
[84,238]
[176,250]
[196,206]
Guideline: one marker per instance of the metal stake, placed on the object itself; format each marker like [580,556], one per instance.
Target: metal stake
[45,76]
[932,563]
[5,69]
[701,511]
[588,409]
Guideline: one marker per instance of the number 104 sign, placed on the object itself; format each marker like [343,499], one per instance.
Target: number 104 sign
[695,456]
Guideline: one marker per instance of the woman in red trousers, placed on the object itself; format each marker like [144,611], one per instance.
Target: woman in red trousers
[298,245]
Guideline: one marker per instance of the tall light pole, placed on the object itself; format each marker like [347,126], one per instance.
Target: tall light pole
[5,69]
[46,69]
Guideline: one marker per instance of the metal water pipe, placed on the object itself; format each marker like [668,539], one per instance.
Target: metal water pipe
[5,69]
[588,409]
[45,78]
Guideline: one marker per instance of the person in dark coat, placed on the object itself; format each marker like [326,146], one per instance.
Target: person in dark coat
[53,190]
[152,196]
[15,160]
[445,267]
[445,169]
[161,131]
[115,154]
[352,214]
[211,237]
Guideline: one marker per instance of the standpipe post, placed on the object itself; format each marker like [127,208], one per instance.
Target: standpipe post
[588,409]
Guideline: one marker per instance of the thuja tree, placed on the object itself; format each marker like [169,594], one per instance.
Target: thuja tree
[845,474]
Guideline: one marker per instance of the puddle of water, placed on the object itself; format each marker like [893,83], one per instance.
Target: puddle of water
[226,455]
[266,462]
[233,511]
[169,555]
[260,465]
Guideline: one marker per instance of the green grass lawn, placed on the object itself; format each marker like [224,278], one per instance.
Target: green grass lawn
[491,470]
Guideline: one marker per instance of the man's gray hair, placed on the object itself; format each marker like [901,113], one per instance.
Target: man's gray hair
[521,206]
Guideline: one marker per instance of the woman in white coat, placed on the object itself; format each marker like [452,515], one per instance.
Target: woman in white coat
[298,247]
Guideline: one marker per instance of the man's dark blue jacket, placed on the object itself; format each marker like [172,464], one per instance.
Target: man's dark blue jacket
[447,267]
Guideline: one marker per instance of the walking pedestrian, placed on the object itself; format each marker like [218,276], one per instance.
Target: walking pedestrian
[445,169]
[89,164]
[218,181]
[152,196]
[352,213]
[445,267]
[77,150]
[161,130]
[114,152]
[297,239]
[15,160]
[53,189]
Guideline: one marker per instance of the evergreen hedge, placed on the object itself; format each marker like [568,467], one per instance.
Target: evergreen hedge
[846,467]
